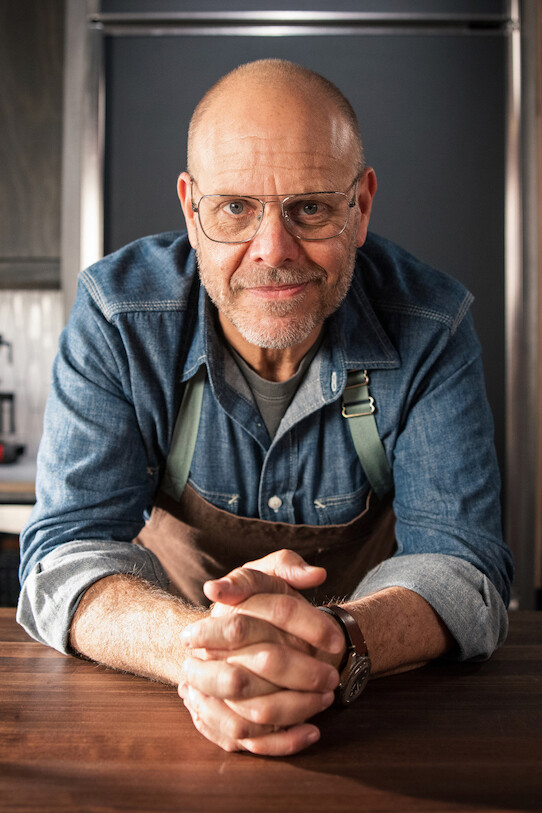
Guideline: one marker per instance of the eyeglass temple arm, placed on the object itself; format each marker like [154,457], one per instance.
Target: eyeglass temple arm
[193,205]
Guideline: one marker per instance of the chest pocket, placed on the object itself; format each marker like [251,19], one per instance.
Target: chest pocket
[342,508]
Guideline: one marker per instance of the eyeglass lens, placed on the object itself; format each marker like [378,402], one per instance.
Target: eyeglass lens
[231,219]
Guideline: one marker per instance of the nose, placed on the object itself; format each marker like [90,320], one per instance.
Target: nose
[273,244]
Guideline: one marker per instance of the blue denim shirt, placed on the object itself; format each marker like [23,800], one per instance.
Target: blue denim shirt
[142,326]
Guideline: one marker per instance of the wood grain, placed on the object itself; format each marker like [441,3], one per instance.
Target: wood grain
[450,737]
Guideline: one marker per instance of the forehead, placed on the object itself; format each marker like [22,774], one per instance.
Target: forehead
[273,143]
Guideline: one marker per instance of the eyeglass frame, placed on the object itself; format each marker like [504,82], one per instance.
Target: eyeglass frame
[351,204]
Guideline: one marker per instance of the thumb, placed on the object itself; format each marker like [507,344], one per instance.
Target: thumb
[291,567]
[280,572]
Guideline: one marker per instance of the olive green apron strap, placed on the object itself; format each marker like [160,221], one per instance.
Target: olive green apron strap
[358,408]
[185,433]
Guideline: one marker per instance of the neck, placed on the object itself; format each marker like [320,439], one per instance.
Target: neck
[274,365]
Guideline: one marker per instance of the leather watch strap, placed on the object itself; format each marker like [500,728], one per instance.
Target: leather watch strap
[351,628]
[355,667]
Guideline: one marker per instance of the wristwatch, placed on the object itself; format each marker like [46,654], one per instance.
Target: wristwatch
[355,667]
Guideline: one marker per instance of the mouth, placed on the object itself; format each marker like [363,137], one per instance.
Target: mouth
[278,291]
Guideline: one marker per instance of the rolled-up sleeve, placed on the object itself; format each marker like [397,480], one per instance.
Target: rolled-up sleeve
[464,598]
[53,588]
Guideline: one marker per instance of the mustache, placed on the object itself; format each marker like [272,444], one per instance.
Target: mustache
[263,277]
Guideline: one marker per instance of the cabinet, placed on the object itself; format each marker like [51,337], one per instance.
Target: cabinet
[31,59]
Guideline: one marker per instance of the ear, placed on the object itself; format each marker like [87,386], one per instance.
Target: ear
[185,196]
[366,191]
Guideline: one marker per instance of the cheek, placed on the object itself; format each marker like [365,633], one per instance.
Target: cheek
[219,262]
[332,258]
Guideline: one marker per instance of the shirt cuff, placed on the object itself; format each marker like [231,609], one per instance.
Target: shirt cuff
[464,598]
[52,591]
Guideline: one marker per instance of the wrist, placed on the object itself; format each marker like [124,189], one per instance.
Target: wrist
[355,667]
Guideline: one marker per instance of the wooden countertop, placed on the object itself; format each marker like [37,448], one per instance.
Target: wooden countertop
[449,737]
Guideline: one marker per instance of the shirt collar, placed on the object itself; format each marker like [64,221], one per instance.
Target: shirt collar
[357,331]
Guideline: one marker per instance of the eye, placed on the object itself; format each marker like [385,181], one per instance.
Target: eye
[235,207]
[310,208]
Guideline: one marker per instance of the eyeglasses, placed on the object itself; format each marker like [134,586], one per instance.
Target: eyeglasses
[311,216]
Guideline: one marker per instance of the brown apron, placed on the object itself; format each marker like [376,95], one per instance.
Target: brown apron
[196,541]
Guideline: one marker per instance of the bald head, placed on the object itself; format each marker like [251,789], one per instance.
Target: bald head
[280,89]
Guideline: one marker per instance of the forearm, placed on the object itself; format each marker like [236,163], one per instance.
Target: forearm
[401,629]
[129,624]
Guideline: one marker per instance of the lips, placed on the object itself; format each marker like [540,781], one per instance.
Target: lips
[280,280]
[277,291]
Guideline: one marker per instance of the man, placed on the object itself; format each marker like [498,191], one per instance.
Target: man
[224,409]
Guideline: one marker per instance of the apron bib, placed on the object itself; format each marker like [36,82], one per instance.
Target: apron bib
[196,541]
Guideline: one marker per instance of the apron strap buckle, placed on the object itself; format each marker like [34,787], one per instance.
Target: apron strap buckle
[359,400]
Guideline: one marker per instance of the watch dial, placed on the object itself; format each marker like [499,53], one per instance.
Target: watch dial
[357,679]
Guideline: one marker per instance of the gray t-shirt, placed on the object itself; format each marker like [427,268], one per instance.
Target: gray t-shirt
[273,397]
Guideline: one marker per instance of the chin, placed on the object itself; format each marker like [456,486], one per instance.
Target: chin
[276,334]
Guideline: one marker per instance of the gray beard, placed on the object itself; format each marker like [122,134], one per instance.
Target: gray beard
[293,331]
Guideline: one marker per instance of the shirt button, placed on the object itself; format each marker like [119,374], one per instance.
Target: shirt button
[274,503]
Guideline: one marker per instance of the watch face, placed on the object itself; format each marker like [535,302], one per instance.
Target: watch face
[357,674]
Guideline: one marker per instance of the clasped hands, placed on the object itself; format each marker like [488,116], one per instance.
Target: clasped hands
[264,660]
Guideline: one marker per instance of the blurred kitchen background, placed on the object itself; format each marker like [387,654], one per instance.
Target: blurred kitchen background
[95,97]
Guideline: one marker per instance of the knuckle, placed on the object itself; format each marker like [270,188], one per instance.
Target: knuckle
[236,682]
[249,574]
[235,628]
[237,573]
[316,679]
[238,576]
[269,661]
[239,729]
[285,556]
[263,715]
[249,580]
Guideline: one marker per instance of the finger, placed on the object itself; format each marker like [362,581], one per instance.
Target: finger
[218,723]
[242,583]
[235,631]
[284,708]
[222,727]
[283,743]
[297,617]
[286,565]
[286,667]
[224,680]
[290,566]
